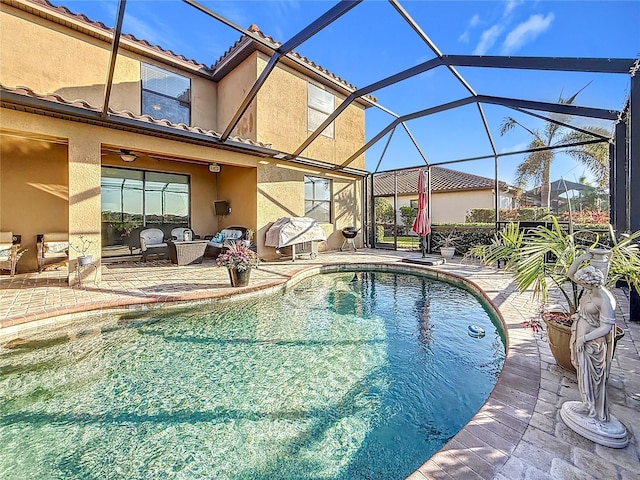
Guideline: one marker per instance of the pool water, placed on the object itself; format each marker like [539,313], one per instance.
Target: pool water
[345,376]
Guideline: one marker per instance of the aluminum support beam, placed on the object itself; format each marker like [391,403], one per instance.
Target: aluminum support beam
[561,108]
[229,23]
[384,150]
[404,118]
[562,124]
[634,151]
[391,80]
[620,190]
[565,64]
[310,30]
[117,31]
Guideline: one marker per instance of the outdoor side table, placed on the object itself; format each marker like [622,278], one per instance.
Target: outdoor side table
[187,253]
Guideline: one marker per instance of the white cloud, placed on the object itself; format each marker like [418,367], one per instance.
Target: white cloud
[465,37]
[475,20]
[526,32]
[488,39]
[511,6]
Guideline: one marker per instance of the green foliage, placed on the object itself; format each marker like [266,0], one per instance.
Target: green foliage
[540,258]
[408,216]
[379,233]
[384,211]
[524,214]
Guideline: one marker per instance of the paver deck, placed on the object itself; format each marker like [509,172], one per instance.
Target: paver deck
[517,434]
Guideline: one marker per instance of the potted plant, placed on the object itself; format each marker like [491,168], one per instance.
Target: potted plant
[447,243]
[82,248]
[238,259]
[540,259]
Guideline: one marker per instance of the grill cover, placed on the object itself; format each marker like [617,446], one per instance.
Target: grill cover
[291,230]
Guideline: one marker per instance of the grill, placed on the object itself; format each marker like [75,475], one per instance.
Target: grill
[349,234]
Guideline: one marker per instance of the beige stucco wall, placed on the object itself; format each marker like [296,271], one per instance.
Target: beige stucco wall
[451,207]
[34,196]
[282,118]
[237,186]
[50,58]
[232,90]
[281,194]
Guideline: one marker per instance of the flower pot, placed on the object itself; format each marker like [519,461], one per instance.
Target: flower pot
[447,252]
[239,278]
[559,336]
[85,260]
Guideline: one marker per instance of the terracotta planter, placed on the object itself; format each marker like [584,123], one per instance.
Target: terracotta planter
[239,278]
[559,336]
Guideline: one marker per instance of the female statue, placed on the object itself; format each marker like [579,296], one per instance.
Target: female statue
[591,345]
[592,337]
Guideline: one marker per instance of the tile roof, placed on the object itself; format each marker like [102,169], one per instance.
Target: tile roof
[442,180]
[57,99]
[254,29]
[64,11]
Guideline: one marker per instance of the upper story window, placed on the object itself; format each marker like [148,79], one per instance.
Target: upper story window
[317,199]
[321,104]
[165,95]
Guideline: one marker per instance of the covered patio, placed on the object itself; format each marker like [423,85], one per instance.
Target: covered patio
[517,433]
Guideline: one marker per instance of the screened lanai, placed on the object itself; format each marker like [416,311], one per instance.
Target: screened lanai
[406,27]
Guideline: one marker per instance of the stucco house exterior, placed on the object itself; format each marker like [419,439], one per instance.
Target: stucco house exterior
[62,166]
[453,193]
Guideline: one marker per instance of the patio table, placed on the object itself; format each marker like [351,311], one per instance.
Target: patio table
[187,253]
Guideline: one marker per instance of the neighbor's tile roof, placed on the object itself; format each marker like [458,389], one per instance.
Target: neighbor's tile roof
[55,98]
[442,180]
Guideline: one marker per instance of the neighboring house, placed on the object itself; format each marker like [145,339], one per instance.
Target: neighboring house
[453,193]
[152,158]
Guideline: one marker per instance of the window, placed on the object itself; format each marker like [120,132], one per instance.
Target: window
[165,95]
[317,198]
[132,199]
[321,104]
[414,204]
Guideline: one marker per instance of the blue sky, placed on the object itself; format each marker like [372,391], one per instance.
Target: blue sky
[372,41]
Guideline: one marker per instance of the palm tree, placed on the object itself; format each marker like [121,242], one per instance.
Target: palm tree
[537,165]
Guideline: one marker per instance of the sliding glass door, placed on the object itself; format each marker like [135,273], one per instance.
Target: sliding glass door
[133,200]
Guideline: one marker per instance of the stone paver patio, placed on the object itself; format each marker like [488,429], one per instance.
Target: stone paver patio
[517,434]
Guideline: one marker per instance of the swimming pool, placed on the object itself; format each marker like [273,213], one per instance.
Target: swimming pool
[344,376]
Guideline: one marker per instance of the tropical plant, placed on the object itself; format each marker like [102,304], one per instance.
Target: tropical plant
[237,256]
[408,215]
[446,239]
[537,165]
[540,258]
[384,211]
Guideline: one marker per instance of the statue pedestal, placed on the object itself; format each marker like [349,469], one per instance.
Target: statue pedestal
[610,434]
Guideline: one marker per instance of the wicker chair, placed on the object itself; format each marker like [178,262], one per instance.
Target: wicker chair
[10,252]
[53,250]
[152,241]
[216,243]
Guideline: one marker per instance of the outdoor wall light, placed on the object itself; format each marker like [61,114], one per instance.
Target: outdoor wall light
[214,168]
[127,156]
